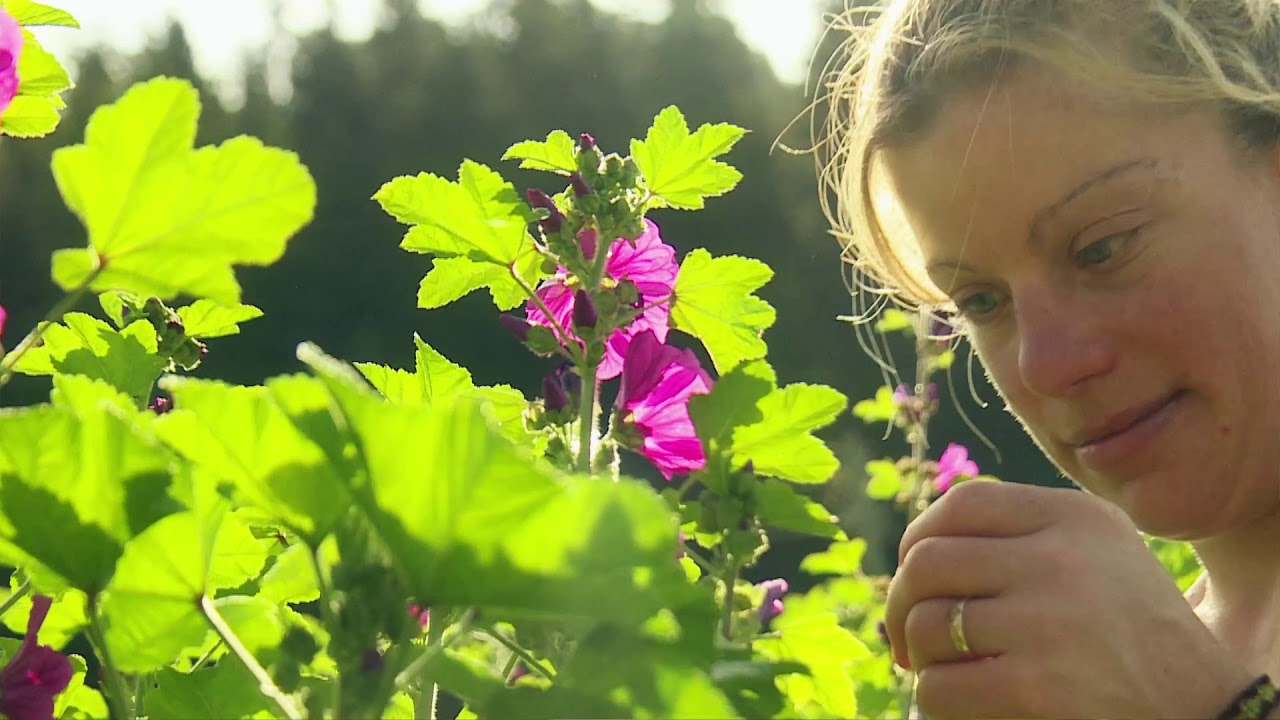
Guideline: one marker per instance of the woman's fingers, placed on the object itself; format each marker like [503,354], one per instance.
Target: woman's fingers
[947,568]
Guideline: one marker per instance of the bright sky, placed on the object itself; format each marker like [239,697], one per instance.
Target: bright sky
[785,30]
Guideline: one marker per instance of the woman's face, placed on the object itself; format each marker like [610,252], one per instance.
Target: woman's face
[1120,270]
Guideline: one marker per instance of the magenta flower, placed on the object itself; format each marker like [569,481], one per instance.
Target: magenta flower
[954,463]
[35,674]
[650,264]
[657,382]
[10,49]
[420,614]
[3,315]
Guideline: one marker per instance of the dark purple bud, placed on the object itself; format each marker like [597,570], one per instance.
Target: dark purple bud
[580,186]
[932,391]
[586,142]
[584,310]
[883,631]
[160,405]
[589,239]
[554,396]
[569,380]
[539,199]
[517,326]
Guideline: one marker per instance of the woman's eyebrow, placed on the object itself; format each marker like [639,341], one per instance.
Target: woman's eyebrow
[1043,217]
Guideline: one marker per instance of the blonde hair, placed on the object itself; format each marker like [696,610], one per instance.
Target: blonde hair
[889,78]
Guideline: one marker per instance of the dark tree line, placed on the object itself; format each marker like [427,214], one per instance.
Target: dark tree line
[418,96]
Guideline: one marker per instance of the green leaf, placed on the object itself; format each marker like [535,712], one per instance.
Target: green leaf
[208,319]
[555,154]
[680,168]
[472,520]
[748,418]
[479,217]
[714,303]
[151,608]
[30,117]
[28,13]
[224,690]
[292,579]
[164,218]
[65,619]
[245,435]
[41,74]
[88,346]
[882,408]
[811,634]
[82,394]
[477,228]
[840,558]
[783,508]
[1178,558]
[75,488]
[437,379]
[782,444]
[884,482]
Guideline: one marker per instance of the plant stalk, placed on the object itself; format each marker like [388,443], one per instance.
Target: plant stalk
[265,684]
[521,653]
[119,699]
[15,596]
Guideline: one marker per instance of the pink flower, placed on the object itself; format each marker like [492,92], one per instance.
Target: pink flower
[772,606]
[10,49]
[954,463]
[650,265]
[35,674]
[657,382]
[3,315]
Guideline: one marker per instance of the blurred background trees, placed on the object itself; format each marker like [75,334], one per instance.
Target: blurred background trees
[419,96]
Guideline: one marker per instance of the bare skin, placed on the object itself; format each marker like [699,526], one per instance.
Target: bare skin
[1119,266]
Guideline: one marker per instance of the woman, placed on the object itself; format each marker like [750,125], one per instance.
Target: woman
[1094,187]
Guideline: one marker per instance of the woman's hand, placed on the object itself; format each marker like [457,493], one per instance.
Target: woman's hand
[1069,614]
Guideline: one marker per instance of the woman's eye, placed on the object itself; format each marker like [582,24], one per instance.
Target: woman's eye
[978,305]
[1102,251]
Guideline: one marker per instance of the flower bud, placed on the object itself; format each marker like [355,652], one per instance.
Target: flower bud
[554,396]
[517,326]
[517,672]
[539,199]
[3,317]
[160,405]
[941,330]
[586,143]
[589,239]
[772,606]
[584,310]
[569,380]
[580,186]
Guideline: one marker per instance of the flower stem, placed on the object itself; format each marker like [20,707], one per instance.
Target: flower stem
[407,675]
[119,699]
[11,358]
[726,617]
[521,653]
[567,345]
[15,596]
[265,684]
[587,419]
[326,613]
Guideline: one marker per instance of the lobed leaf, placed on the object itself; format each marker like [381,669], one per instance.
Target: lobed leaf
[680,168]
[714,303]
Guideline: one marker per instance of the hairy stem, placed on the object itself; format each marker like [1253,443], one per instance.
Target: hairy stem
[587,419]
[119,699]
[265,684]
[726,612]
[520,653]
[15,596]
[11,358]
[562,335]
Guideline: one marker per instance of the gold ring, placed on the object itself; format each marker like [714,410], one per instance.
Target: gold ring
[956,622]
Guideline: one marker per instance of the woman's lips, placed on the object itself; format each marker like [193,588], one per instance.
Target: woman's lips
[1126,436]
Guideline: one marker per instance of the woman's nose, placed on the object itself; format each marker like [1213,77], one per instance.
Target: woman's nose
[1062,344]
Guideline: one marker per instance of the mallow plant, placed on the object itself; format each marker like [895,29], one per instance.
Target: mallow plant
[353,539]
